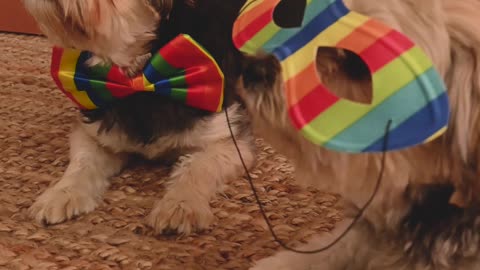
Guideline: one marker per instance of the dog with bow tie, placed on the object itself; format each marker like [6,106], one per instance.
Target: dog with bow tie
[114,124]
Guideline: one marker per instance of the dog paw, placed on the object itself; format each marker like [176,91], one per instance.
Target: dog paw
[58,205]
[181,215]
[268,264]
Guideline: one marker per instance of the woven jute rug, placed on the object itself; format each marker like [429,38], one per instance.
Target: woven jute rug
[35,120]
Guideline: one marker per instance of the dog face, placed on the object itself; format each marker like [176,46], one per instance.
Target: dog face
[117,31]
[262,88]
[452,51]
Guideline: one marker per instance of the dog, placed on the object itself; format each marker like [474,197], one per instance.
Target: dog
[124,32]
[426,214]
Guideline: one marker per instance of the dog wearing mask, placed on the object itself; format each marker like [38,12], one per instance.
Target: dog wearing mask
[426,213]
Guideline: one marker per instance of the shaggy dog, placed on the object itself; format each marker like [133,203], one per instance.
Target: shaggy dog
[124,32]
[426,214]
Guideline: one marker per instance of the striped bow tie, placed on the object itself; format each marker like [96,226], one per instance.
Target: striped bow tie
[182,70]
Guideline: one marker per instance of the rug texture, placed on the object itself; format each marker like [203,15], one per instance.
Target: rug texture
[35,120]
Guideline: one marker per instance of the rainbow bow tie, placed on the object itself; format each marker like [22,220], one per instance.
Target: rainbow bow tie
[181,70]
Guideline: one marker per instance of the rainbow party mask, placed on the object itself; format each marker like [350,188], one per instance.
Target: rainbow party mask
[407,90]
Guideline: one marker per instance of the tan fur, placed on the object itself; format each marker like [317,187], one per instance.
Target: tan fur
[119,31]
[115,31]
[198,175]
[448,31]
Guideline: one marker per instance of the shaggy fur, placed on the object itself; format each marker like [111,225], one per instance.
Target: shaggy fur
[124,32]
[426,214]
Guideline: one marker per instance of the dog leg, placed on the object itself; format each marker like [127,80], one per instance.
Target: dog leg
[194,181]
[83,184]
[339,257]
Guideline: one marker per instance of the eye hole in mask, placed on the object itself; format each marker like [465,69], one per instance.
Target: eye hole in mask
[289,13]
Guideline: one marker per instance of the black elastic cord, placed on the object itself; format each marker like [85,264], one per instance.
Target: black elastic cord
[355,220]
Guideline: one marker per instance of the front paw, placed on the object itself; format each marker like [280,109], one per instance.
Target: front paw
[272,263]
[181,214]
[57,205]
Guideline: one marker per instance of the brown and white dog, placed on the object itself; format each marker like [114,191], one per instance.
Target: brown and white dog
[123,32]
[427,212]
